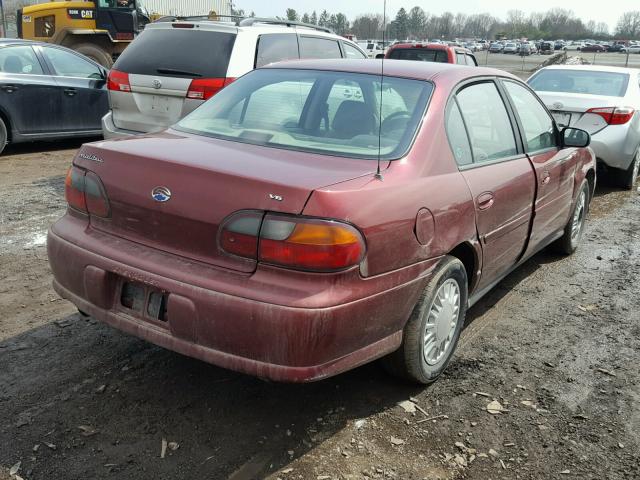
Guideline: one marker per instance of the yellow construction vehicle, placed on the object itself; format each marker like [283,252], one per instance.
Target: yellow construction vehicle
[99,29]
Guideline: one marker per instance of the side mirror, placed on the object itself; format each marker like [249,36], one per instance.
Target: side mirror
[575,137]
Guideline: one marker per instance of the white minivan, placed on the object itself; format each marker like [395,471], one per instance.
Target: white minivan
[175,65]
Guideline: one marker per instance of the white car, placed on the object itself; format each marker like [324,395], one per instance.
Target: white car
[633,48]
[604,101]
[176,64]
[510,48]
[373,48]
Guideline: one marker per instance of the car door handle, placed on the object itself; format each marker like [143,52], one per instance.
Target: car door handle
[485,200]
[10,88]
[70,91]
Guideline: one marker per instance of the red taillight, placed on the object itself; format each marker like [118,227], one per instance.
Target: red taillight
[95,196]
[614,115]
[294,242]
[183,25]
[239,234]
[74,189]
[205,88]
[118,81]
[84,192]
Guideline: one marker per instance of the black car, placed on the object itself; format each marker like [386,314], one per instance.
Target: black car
[546,48]
[49,92]
[618,47]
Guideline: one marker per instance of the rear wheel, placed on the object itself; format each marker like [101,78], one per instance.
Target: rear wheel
[629,177]
[431,334]
[95,53]
[574,229]
[3,135]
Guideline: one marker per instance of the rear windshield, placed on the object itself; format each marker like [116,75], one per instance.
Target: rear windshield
[610,84]
[178,53]
[335,113]
[420,54]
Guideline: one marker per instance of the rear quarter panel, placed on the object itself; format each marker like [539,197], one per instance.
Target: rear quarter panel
[386,210]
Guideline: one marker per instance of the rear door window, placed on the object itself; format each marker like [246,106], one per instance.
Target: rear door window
[67,64]
[185,53]
[352,52]
[20,59]
[313,47]
[471,61]
[487,121]
[457,134]
[420,54]
[276,47]
[460,59]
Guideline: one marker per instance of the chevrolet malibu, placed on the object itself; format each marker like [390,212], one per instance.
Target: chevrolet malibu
[315,216]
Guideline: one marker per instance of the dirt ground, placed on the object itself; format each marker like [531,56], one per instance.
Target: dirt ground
[557,345]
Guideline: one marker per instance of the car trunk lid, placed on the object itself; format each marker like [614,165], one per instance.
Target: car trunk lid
[207,180]
[571,109]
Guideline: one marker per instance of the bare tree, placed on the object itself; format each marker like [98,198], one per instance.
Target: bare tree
[629,25]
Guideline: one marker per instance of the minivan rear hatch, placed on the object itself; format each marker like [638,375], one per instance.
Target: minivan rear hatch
[161,65]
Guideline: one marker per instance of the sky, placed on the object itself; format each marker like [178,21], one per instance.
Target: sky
[585,9]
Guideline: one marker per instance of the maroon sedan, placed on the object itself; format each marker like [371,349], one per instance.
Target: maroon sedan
[314,216]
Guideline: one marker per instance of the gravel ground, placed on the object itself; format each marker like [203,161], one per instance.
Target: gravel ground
[556,345]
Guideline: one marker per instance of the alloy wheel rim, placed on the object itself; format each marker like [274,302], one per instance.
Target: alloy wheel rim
[578,217]
[442,320]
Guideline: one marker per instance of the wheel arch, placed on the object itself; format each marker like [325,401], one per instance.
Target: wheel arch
[7,123]
[591,179]
[468,254]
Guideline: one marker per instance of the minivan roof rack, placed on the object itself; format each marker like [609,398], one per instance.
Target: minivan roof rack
[196,18]
[247,22]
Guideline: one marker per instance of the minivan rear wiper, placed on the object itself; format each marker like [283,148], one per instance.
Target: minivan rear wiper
[171,71]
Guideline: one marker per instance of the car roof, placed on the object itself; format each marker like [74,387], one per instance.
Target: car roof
[596,68]
[395,68]
[256,28]
[430,46]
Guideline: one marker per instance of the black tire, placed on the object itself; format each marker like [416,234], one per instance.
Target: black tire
[95,53]
[627,178]
[409,362]
[4,138]
[568,243]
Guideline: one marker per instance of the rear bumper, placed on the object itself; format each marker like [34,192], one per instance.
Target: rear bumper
[276,341]
[110,131]
[616,145]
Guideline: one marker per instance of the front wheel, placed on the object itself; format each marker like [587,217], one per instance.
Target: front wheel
[431,335]
[568,243]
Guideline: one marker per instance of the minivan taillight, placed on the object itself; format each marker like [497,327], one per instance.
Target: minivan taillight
[85,192]
[301,243]
[614,115]
[118,81]
[205,88]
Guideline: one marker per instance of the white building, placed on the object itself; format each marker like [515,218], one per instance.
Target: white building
[185,8]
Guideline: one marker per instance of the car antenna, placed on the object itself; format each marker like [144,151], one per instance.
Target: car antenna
[378,174]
